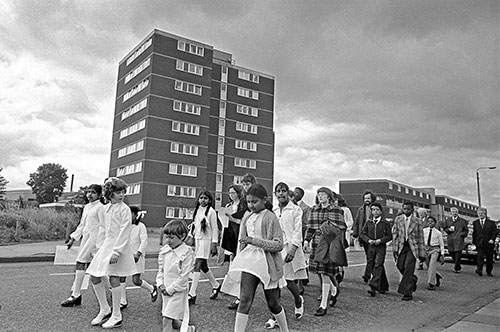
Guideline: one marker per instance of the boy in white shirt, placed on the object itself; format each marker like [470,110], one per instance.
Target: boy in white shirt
[434,248]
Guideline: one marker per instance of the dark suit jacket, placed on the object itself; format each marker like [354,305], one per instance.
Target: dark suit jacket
[481,235]
[456,237]
[360,220]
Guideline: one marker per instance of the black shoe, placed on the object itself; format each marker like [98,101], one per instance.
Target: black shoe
[215,292]
[431,287]
[490,274]
[365,278]
[191,299]
[305,281]
[457,271]
[383,291]
[372,292]
[123,306]
[407,298]
[438,280]
[479,273]
[72,301]
[415,282]
[234,305]
[320,312]
[154,293]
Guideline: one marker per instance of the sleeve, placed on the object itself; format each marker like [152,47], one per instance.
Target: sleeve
[348,219]
[420,241]
[242,208]
[101,233]
[395,235]
[364,233]
[274,240]
[465,229]
[125,220]
[297,227]
[159,275]
[388,235]
[77,234]
[181,282]
[212,219]
[355,226]
[311,227]
[143,235]
[441,243]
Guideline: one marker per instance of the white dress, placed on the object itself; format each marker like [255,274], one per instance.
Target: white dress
[91,226]
[174,267]
[252,259]
[118,221]
[139,242]
[203,240]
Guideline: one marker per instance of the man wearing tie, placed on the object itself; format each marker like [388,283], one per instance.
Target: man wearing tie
[483,237]
[407,246]
[434,247]
[457,231]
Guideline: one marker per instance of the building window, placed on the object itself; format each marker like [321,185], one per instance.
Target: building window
[134,109]
[129,169]
[183,148]
[407,191]
[139,51]
[244,75]
[245,145]
[246,127]
[414,192]
[185,170]
[189,67]
[247,93]
[181,191]
[390,185]
[137,70]
[421,194]
[190,48]
[237,179]
[133,129]
[247,110]
[132,148]
[222,109]
[391,210]
[245,163]
[177,212]
[133,189]
[181,106]
[136,89]
[186,128]
[399,187]
[188,87]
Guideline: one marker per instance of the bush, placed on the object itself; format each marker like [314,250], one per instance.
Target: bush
[37,224]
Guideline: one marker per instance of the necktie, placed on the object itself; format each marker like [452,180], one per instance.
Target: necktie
[482,223]
[429,238]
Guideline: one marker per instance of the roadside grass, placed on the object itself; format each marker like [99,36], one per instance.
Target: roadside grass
[35,224]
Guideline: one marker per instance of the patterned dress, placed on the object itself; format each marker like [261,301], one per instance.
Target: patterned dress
[317,216]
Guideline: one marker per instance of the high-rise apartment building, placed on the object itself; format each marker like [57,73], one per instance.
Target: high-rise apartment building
[188,119]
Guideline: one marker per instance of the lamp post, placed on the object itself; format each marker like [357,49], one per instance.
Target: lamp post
[477,177]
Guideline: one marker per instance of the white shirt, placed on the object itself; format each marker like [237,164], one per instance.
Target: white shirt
[436,238]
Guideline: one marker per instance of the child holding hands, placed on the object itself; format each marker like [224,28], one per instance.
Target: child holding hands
[175,262]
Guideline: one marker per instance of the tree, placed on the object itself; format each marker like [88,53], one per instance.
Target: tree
[48,182]
[3,183]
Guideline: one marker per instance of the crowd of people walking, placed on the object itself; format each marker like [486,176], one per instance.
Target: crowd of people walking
[284,243]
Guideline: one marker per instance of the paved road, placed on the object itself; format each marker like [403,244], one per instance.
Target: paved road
[30,294]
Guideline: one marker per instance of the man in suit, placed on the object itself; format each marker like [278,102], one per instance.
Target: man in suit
[407,247]
[483,237]
[457,231]
[362,216]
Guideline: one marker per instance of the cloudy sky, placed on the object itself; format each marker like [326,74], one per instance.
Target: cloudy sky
[401,90]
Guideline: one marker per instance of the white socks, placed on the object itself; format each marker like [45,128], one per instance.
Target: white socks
[100,294]
[240,324]
[325,291]
[212,280]
[281,319]
[116,293]
[123,293]
[147,286]
[77,285]
[194,284]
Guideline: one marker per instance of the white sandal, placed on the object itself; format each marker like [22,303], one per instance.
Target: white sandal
[271,324]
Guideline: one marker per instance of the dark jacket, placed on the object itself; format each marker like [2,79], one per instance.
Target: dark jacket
[456,238]
[481,235]
[382,230]
[359,221]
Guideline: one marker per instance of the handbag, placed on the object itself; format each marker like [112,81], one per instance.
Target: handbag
[230,237]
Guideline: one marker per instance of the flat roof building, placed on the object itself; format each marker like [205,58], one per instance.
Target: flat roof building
[188,119]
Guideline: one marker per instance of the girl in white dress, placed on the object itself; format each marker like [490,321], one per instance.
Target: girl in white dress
[114,258]
[261,243]
[91,231]
[139,243]
[206,237]
[175,263]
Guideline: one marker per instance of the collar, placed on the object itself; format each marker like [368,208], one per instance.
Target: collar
[179,251]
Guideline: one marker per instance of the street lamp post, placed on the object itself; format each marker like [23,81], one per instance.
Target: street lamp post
[477,177]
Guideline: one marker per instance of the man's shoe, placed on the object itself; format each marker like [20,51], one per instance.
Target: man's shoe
[490,274]
[431,287]
[479,273]
[438,280]
[372,292]
[407,298]
[191,299]
[123,306]
[72,301]
[154,293]
[100,318]
[320,312]
[365,278]
[457,271]
[112,323]
[215,292]
[234,305]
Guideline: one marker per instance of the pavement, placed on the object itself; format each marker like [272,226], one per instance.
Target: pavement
[485,319]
